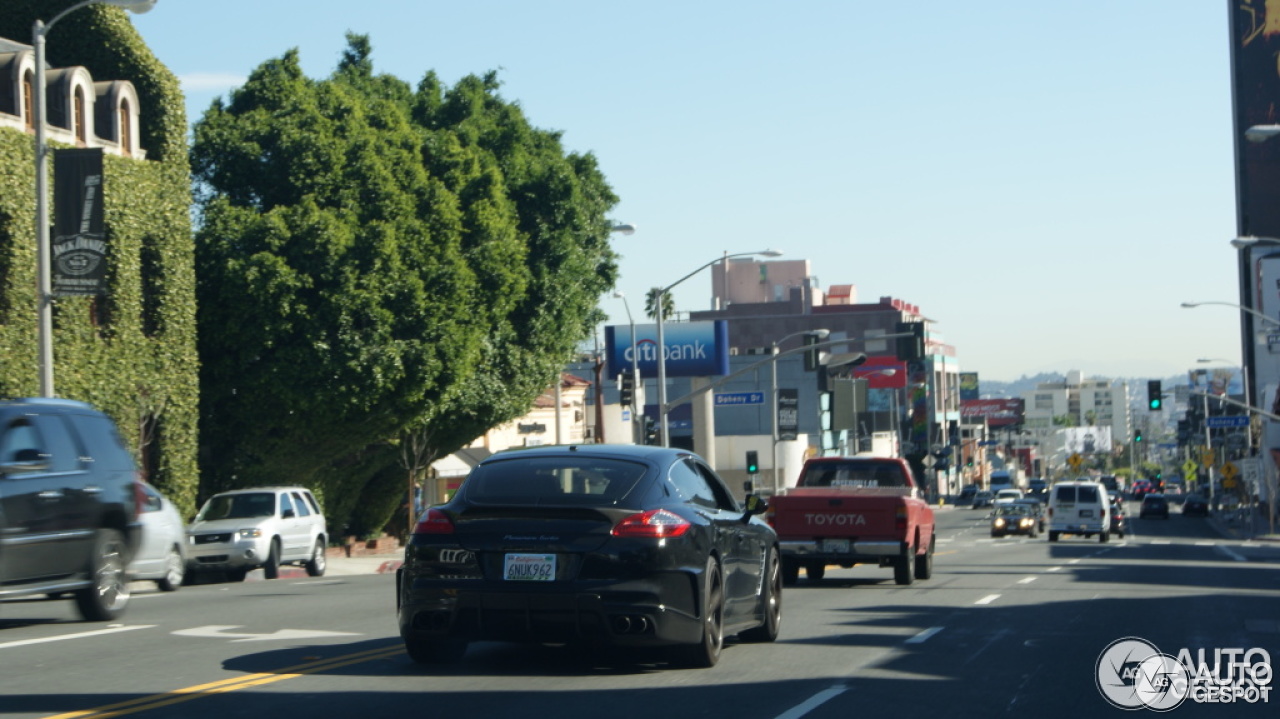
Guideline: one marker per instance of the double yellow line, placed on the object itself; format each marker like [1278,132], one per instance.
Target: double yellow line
[224,686]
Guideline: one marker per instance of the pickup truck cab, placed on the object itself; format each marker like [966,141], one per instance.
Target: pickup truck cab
[854,510]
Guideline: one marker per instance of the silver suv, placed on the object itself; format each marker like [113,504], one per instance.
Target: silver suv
[244,529]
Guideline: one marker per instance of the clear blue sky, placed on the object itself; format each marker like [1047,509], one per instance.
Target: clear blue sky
[1047,180]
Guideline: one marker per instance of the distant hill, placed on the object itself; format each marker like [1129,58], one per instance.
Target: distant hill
[991,389]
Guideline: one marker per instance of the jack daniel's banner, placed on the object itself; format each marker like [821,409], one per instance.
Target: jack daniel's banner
[79,249]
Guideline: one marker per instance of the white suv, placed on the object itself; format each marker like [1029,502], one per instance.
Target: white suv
[262,527]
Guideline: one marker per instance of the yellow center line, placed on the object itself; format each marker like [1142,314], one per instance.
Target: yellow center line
[223,686]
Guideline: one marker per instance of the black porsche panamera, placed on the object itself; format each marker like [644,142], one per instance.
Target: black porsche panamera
[613,545]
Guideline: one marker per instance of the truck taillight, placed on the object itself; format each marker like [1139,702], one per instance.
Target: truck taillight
[900,518]
[434,522]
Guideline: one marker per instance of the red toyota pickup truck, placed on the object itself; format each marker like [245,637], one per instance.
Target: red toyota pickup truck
[854,510]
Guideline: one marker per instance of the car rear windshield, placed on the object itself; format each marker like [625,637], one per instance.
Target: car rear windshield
[854,474]
[572,481]
[238,506]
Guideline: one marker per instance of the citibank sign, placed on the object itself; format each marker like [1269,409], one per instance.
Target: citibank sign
[693,349]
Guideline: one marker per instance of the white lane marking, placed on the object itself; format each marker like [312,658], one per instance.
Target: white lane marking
[78,635]
[988,599]
[923,637]
[1026,580]
[219,631]
[1073,561]
[1054,569]
[813,702]
[1230,553]
[1205,544]
[1161,541]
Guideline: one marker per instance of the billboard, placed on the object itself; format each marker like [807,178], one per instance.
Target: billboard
[1222,381]
[968,386]
[1255,77]
[693,349]
[1086,440]
[997,412]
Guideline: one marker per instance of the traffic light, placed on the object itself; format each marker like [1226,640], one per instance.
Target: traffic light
[627,389]
[1137,435]
[811,355]
[1154,400]
[911,347]
[753,462]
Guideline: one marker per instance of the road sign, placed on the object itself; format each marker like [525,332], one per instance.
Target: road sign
[1206,457]
[725,399]
[1229,471]
[1232,420]
[928,461]
[1189,467]
[1075,460]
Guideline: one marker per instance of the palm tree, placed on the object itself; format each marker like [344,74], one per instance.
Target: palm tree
[651,302]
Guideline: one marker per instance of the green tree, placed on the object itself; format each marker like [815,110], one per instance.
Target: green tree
[376,260]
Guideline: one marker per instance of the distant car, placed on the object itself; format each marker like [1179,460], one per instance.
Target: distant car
[1119,518]
[1039,489]
[1195,505]
[967,493]
[1079,508]
[611,545]
[1154,505]
[1140,489]
[982,499]
[244,529]
[1036,510]
[162,552]
[1006,496]
[1013,518]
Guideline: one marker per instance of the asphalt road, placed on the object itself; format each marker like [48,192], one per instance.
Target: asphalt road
[1007,627]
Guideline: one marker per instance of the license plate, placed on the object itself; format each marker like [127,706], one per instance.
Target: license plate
[529,567]
[835,546]
[1086,513]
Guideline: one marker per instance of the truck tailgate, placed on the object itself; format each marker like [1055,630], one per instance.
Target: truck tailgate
[836,514]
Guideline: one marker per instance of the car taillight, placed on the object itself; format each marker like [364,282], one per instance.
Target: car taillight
[654,523]
[900,519]
[434,522]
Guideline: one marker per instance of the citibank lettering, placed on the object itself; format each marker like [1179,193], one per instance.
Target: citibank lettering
[835,519]
[648,351]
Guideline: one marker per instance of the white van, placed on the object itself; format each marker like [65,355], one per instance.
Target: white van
[1079,507]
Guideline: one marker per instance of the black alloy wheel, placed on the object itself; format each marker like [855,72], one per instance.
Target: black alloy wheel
[106,598]
[706,652]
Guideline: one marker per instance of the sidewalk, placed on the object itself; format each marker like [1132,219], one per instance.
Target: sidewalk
[1238,524]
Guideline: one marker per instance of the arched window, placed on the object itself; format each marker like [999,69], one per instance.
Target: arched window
[29,98]
[125,124]
[78,117]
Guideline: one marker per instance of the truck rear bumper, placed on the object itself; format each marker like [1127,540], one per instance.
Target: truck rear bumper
[816,549]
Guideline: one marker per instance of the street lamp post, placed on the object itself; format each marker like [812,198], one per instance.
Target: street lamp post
[773,391]
[44,288]
[659,297]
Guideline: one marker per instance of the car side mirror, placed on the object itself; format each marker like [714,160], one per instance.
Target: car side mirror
[755,505]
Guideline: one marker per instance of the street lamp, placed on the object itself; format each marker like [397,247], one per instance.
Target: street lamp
[659,300]
[773,390]
[635,366]
[44,289]
[1242,308]
[1261,133]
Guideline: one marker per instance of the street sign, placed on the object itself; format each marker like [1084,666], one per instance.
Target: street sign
[1206,457]
[928,461]
[725,399]
[1075,460]
[1229,471]
[788,413]
[989,442]
[1234,420]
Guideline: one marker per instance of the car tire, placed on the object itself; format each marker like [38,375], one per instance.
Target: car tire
[271,569]
[770,602]
[106,598]
[1102,537]
[319,561]
[790,572]
[924,562]
[706,652]
[815,572]
[904,567]
[175,570]
[434,651]
[1053,536]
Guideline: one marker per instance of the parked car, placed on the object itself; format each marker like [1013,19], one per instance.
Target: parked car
[967,493]
[1194,505]
[615,545]
[241,530]
[162,549]
[1013,518]
[68,505]
[1154,505]
[982,499]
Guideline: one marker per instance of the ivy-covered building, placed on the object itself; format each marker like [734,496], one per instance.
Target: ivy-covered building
[130,351]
